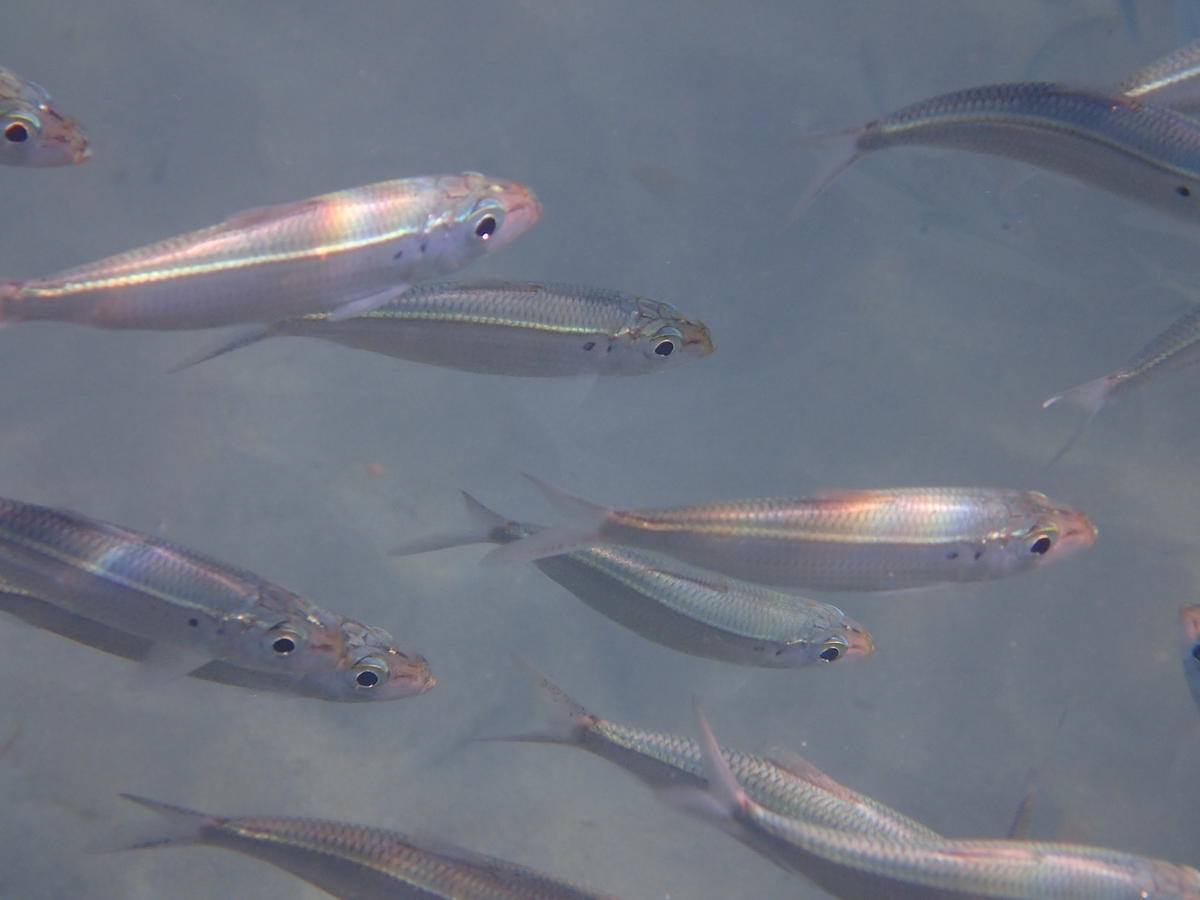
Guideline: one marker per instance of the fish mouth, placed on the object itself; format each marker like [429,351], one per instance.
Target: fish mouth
[1076,530]
[697,335]
[859,642]
[522,210]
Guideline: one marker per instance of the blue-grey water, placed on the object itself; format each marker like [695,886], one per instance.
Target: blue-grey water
[902,331]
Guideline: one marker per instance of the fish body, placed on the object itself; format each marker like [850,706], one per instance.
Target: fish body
[691,611]
[202,609]
[878,865]
[348,251]
[663,760]
[355,862]
[1172,81]
[856,540]
[513,328]
[1189,626]
[32,132]
[1143,153]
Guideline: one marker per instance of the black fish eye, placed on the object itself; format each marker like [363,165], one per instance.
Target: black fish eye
[829,654]
[283,646]
[366,679]
[486,228]
[664,348]
[1040,546]
[16,132]
[1196,652]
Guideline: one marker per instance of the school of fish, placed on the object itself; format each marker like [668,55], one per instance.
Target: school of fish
[709,578]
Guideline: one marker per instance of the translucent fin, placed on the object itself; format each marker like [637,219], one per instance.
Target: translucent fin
[724,798]
[490,528]
[1022,823]
[847,141]
[583,532]
[1091,397]
[566,718]
[364,305]
[183,825]
[166,662]
[266,215]
[793,762]
[243,339]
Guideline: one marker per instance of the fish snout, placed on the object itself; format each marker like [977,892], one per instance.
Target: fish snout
[1076,531]
[522,210]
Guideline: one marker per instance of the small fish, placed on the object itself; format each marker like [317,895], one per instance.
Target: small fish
[858,540]
[874,865]
[32,132]
[1172,81]
[1175,349]
[791,786]
[511,328]
[407,674]
[1189,625]
[690,611]
[349,251]
[1140,152]
[194,609]
[356,862]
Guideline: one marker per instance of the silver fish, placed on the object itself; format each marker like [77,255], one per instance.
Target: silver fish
[511,328]
[687,610]
[882,866]
[360,643]
[355,862]
[1175,349]
[32,131]
[1140,152]
[349,251]
[790,785]
[195,609]
[1189,629]
[858,540]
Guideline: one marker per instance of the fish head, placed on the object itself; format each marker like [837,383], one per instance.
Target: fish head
[371,668]
[38,136]
[472,215]
[660,338]
[845,641]
[1049,532]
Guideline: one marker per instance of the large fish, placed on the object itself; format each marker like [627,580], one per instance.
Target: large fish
[400,674]
[32,131]
[195,609]
[1176,348]
[789,785]
[690,611]
[859,540]
[876,865]
[1144,153]
[355,862]
[349,251]
[511,328]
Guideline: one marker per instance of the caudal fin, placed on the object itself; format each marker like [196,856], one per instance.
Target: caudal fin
[583,531]
[846,139]
[489,528]
[567,720]
[1092,397]
[183,826]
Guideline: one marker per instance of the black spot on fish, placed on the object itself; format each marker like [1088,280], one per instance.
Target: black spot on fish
[193,622]
[399,253]
[424,246]
[830,654]
[610,349]
[590,345]
[1183,191]
[953,554]
[978,553]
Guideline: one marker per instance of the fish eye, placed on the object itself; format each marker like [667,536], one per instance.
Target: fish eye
[486,228]
[834,648]
[1041,546]
[369,672]
[1196,652]
[285,643]
[16,132]
[666,341]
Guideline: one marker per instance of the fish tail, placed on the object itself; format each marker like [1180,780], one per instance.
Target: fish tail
[183,826]
[244,339]
[584,531]
[1092,397]
[567,720]
[490,528]
[847,139]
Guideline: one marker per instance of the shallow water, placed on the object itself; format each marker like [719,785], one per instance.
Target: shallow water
[903,331]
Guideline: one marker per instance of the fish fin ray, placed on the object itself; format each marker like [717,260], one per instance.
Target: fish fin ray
[364,305]
[792,762]
[243,339]
[566,718]
[817,186]
[183,826]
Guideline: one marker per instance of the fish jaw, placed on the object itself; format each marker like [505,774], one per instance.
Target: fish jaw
[522,210]
[61,143]
[1076,532]
[696,335]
